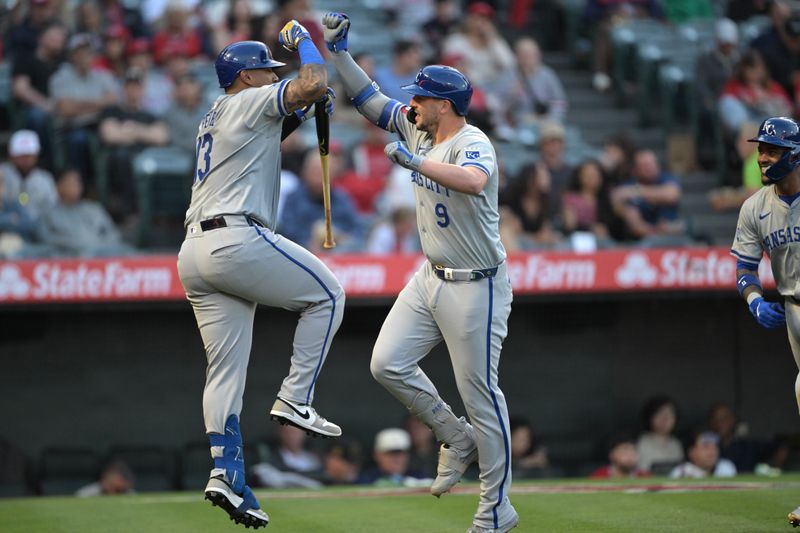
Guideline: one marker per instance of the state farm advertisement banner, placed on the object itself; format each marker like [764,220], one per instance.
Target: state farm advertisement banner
[155,278]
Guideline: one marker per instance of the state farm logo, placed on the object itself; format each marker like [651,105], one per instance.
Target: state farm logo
[636,270]
[676,269]
[12,284]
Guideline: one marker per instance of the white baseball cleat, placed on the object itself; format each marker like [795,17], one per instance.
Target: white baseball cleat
[508,527]
[242,508]
[304,417]
[794,517]
[452,465]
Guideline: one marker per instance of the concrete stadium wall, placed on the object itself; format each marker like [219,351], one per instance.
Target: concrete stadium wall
[578,368]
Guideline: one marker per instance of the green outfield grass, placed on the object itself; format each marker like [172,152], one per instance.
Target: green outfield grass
[752,505]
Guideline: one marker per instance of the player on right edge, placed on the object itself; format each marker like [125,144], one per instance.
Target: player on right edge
[462,294]
[769,221]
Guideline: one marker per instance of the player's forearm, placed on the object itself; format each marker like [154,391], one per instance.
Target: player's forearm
[468,180]
[364,93]
[309,86]
[748,284]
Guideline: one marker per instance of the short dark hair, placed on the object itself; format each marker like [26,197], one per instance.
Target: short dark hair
[404,45]
[652,405]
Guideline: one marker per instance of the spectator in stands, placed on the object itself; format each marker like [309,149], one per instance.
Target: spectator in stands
[488,57]
[728,198]
[24,37]
[114,58]
[31,74]
[236,25]
[779,45]
[444,22]
[424,448]
[17,228]
[89,21]
[116,478]
[177,37]
[617,158]
[396,235]
[751,95]
[648,202]
[77,226]
[183,117]
[367,180]
[702,450]
[538,93]
[32,187]
[158,88]
[528,456]
[555,170]
[126,130]
[291,454]
[117,12]
[600,16]
[406,62]
[342,463]
[392,455]
[734,445]
[657,446]
[80,94]
[715,66]
[623,459]
[528,199]
[306,207]
[586,205]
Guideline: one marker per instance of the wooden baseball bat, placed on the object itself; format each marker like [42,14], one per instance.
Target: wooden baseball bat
[323,140]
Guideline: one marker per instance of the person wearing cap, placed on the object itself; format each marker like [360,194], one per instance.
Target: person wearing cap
[702,452]
[556,172]
[715,66]
[392,453]
[32,187]
[186,113]
[125,130]
[158,87]
[115,43]
[17,228]
[80,94]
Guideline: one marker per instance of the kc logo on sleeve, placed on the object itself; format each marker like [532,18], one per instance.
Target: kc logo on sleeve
[472,154]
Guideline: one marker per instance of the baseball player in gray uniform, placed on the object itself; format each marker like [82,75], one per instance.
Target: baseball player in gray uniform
[232,259]
[462,295]
[769,221]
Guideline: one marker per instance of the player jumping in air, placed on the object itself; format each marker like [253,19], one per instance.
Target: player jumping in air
[769,221]
[232,259]
[462,294]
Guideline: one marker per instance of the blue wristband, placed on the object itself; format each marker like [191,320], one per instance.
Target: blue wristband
[309,53]
[747,280]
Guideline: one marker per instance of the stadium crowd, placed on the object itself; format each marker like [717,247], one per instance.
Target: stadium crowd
[98,84]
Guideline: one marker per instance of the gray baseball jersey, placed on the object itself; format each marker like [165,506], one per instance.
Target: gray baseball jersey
[460,231]
[768,224]
[456,230]
[232,259]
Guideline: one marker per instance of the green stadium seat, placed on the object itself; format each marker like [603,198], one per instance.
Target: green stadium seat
[63,470]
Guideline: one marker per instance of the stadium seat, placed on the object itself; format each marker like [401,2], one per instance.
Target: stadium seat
[153,466]
[63,470]
[163,182]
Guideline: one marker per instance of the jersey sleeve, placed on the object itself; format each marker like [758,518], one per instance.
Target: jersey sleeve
[747,247]
[267,101]
[474,151]
[396,120]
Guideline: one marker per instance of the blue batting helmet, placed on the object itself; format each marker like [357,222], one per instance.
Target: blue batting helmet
[244,55]
[782,132]
[440,81]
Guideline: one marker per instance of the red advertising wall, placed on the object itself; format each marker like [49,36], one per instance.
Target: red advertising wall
[155,278]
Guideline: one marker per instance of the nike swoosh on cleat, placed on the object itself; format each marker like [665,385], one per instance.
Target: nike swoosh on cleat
[304,415]
[762,216]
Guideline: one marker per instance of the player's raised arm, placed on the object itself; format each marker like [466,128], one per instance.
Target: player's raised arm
[363,92]
[312,78]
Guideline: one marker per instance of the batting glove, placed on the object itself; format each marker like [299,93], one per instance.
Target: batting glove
[399,153]
[335,27]
[291,35]
[767,314]
[305,113]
